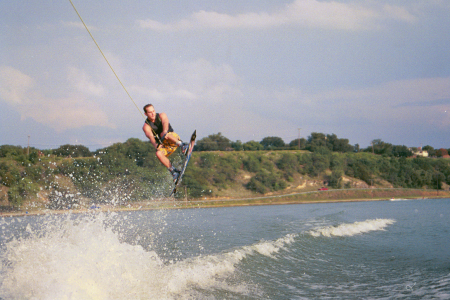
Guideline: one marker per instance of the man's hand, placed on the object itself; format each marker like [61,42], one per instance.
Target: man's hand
[163,136]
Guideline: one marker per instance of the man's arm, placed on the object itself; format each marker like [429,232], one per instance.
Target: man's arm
[165,123]
[149,133]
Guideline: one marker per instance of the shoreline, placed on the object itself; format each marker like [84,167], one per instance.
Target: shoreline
[330,196]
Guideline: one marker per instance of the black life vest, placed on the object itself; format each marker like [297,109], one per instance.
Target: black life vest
[157,127]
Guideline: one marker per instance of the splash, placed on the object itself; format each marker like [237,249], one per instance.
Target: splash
[85,258]
[353,228]
[74,259]
[203,272]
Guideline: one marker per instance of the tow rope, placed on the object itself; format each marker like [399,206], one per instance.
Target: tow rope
[105,58]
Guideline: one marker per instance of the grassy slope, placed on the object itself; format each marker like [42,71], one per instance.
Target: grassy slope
[227,191]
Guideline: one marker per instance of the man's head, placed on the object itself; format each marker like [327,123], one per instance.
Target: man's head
[149,111]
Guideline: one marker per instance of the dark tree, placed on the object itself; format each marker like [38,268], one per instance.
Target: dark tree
[272,142]
[295,143]
[441,152]
[430,150]
[73,151]
[252,146]
[237,146]
[213,142]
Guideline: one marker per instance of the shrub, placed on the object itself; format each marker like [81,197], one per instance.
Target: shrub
[251,163]
[336,179]
[10,151]
[288,163]
[263,182]
[20,191]
[319,164]
[9,174]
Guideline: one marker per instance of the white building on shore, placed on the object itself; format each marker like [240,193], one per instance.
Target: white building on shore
[420,152]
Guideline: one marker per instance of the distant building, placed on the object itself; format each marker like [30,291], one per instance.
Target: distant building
[420,152]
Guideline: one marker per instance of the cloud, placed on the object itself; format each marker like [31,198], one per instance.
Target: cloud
[14,85]
[211,93]
[194,82]
[66,113]
[399,106]
[398,13]
[22,93]
[329,15]
[412,102]
[84,83]
[214,83]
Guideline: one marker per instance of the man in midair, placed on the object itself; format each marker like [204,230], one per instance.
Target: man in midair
[158,130]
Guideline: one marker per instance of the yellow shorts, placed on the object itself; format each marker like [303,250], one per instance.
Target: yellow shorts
[168,147]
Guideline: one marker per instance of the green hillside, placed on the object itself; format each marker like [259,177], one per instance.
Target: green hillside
[129,172]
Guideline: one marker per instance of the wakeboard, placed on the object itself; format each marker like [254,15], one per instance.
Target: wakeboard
[188,156]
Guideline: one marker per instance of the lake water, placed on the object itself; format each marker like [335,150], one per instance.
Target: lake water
[358,250]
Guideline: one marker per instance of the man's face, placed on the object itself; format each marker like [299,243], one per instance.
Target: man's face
[150,113]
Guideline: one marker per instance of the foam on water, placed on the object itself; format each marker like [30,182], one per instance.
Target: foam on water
[171,254]
[353,228]
[71,259]
[83,258]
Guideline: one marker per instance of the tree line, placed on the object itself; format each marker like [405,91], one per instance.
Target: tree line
[130,171]
[217,142]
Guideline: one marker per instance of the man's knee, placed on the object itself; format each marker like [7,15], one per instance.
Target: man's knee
[159,154]
[173,137]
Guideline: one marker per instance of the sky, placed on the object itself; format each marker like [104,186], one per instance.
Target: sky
[249,69]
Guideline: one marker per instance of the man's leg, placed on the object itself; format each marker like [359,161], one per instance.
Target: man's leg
[163,159]
[174,138]
[161,155]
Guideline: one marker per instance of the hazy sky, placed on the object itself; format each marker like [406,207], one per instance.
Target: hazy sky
[363,70]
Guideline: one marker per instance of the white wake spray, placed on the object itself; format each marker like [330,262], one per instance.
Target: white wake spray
[353,228]
[84,259]
[211,271]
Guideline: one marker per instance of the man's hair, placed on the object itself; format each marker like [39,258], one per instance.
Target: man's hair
[145,107]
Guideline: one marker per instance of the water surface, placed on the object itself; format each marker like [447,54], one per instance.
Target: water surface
[370,250]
